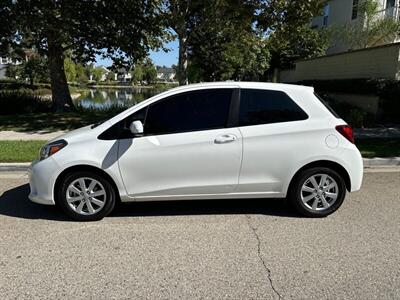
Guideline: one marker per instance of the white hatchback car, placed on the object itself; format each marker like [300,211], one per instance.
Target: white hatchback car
[204,141]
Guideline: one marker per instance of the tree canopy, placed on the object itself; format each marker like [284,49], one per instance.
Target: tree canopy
[218,39]
[123,30]
[290,37]
[224,43]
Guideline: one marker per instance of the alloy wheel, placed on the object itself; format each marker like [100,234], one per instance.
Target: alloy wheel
[319,192]
[86,196]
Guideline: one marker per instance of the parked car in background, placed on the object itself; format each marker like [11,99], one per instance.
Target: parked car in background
[205,141]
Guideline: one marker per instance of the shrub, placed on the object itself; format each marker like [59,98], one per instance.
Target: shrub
[111,109]
[387,90]
[353,115]
[17,102]
[12,84]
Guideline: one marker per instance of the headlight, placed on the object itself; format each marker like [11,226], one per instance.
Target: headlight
[50,149]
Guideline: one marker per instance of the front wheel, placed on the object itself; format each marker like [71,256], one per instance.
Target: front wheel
[86,196]
[317,192]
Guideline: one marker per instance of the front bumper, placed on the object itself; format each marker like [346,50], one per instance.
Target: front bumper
[42,175]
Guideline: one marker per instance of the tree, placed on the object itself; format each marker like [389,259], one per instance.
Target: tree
[81,73]
[370,29]
[123,30]
[111,76]
[286,49]
[36,68]
[70,69]
[137,73]
[224,43]
[96,72]
[33,67]
[179,13]
[287,23]
[246,57]
[149,72]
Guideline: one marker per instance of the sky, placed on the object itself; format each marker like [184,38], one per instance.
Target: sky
[160,58]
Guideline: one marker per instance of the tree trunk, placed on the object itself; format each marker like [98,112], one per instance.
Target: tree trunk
[62,101]
[183,60]
[276,75]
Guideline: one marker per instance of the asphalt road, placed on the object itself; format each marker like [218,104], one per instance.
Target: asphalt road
[203,249]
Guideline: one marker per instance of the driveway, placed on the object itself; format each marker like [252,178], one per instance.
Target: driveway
[253,249]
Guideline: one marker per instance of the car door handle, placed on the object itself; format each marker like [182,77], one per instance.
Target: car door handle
[226,138]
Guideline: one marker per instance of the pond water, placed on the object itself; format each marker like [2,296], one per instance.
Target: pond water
[103,97]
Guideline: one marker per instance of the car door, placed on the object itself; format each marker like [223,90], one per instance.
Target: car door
[271,126]
[188,148]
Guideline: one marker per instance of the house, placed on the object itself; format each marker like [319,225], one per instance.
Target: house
[165,74]
[341,12]
[123,75]
[104,75]
[4,62]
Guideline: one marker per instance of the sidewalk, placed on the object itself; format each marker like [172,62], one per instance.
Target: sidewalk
[28,136]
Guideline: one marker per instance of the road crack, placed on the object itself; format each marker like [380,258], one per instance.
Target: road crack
[268,270]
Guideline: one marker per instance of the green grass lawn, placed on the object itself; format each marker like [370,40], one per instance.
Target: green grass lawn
[379,147]
[25,151]
[19,151]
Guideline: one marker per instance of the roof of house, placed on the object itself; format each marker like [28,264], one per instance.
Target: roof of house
[165,70]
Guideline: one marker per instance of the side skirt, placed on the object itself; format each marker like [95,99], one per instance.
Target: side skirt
[203,197]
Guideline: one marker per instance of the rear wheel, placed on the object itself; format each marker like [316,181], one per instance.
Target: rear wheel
[86,196]
[317,192]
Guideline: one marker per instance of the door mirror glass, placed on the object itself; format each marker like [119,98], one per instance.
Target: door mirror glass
[136,127]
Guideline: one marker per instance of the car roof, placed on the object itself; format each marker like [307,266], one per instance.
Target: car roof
[245,84]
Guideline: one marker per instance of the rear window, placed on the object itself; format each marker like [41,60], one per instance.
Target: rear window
[325,103]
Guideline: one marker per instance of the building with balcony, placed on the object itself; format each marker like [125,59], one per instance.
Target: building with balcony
[341,12]
[373,61]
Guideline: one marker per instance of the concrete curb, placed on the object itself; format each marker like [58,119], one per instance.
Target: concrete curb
[368,163]
[381,162]
[14,167]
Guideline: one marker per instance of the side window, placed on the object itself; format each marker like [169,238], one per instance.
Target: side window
[264,107]
[191,111]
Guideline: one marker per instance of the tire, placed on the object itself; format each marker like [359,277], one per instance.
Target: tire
[93,204]
[317,197]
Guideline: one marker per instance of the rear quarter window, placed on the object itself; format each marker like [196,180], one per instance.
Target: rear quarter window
[326,104]
[266,107]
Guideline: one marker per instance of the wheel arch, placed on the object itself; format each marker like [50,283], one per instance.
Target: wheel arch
[87,168]
[325,164]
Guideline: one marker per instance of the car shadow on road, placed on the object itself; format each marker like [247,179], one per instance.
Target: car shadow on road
[15,203]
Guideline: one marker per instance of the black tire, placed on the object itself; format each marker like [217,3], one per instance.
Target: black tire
[67,209]
[295,196]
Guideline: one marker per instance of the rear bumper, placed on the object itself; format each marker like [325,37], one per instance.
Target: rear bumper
[353,162]
[41,181]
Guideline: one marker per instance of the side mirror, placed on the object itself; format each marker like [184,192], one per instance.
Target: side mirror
[136,128]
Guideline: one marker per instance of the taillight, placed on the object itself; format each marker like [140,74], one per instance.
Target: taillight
[346,131]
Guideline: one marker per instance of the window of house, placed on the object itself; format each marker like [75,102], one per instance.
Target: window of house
[264,107]
[390,3]
[191,111]
[354,12]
